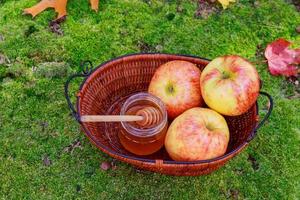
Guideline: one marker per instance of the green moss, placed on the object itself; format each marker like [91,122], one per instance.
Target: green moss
[35,120]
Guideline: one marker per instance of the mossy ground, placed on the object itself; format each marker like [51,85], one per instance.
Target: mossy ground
[35,121]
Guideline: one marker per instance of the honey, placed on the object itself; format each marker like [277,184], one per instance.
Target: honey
[143,139]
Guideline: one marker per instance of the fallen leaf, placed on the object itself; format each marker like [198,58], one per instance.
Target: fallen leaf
[73,146]
[55,25]
[234,194]
[281,59]
[205,9]
[225,3]
[105,165]
[58,5]
[94,4]
[46,161]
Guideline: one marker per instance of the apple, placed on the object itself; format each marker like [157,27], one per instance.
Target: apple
[230,85]
[197,134]
[177,84]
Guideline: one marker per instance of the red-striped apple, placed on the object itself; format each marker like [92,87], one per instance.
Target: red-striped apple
[197,134]
[177,84]
[230,85]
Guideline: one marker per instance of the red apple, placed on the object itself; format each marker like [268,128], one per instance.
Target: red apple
[230,85]
[197,134]
[177,84]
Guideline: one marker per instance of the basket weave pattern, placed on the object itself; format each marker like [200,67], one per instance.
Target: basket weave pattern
[106,89]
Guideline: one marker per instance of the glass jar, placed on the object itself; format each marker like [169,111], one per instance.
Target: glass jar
[140,140]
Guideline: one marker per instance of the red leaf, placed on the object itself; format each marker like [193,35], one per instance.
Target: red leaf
[281,59]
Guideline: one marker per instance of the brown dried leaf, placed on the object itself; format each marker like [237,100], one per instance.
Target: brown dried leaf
[205,9]
[74,145]
[234,194]
[55,25]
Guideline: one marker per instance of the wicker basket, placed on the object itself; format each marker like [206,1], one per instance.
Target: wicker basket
[105,89]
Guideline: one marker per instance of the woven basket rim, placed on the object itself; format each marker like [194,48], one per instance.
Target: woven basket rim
[171,162]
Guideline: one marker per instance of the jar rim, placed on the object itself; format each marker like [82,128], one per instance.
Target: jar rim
[147,132]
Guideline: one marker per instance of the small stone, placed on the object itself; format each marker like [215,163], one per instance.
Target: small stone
[297,82]
[105,165]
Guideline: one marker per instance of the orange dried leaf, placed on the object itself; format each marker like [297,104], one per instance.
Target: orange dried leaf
[94,4]
[225,3]
[58,5]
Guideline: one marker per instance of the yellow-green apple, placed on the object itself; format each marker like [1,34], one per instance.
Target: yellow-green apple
[197,134]
[230,85]
[177,84]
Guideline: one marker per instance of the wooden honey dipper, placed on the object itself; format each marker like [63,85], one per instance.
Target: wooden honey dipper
[151,116]
[144,117]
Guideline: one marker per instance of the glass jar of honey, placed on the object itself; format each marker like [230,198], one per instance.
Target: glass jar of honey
[139,138]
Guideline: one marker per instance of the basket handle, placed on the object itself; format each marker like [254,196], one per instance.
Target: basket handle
[86,68]
[253,134]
